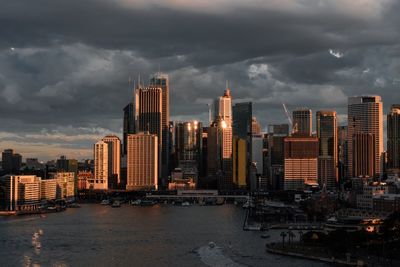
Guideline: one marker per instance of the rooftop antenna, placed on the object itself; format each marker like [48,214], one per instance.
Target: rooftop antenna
[209,113]
[227,85]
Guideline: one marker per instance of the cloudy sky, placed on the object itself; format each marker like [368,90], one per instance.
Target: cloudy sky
[64,65]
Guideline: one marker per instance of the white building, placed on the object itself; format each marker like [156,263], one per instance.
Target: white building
[114,157]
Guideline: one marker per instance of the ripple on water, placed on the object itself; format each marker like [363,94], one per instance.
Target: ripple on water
[213,256]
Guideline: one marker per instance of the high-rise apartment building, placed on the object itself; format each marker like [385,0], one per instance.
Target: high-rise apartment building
[142,161]
[114,160]
[301,162]
[393,137]
[365,115]
[21,192]
[328,145]
[302,119]
[100,180]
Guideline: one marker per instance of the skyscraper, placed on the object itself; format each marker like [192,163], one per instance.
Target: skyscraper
[223,108]
[129,123]
[255,126]
[365,115]
[363,148]
[302,119]
[393,137]
[100,166]
[327,156]
[275,159]
[301,162]
[342,153]
[114,160]
[242,143]
[142,161]
[149,118]
[11,162]
[161,80]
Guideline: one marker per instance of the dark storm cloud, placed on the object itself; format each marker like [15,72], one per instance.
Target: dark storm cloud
[64,65]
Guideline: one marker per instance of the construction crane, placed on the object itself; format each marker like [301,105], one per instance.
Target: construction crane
[290,119]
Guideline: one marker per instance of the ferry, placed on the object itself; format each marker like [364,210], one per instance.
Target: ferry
[185,204]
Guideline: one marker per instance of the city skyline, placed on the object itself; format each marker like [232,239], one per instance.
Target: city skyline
[53,111]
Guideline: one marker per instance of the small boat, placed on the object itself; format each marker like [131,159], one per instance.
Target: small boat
[265,236]
[105,202]
[211,244]
[185,204]
[137,202]
[38,245]
[40,232]
[52,208]
[147,203]
[116,204]
[74,205]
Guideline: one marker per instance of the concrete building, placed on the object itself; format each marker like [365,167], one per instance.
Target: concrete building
[302,119]
[342,153]
[21,192]
[328,145]
[142,161]
[114,160]
[393,137]
[365,115]
[100,180]
[300,162]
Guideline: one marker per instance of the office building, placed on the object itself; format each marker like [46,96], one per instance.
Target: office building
[302,120]
[242,143]
[365,115]
[161,80]
[128,124]
[11,162]
[142,161]
[275,158]
[100,181]
[114,160]
[149,119]
[328,145]
[67,165]
[342,154]
[255,126]
[300,162]
[393,137]
[363,160]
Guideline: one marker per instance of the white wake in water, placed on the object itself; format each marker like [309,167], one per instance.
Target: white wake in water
[213,256]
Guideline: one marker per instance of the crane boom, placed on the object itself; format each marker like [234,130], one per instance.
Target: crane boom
[287,114]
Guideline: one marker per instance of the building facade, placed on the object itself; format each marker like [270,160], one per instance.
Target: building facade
[114,160]
[100,181]
[365,115]
[302,120]
[142,161]
[328,145]
[393,137]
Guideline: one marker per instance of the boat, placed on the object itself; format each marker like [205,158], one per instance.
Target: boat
[211,244]
[137,202]
[116,204]
[38,245]
[74,205]
[147,203]
[105,202]
[265,236]
[185,204]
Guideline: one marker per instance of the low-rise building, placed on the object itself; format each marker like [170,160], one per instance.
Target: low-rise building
[65,184]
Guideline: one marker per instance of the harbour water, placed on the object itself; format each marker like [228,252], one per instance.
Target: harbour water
[161,235]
